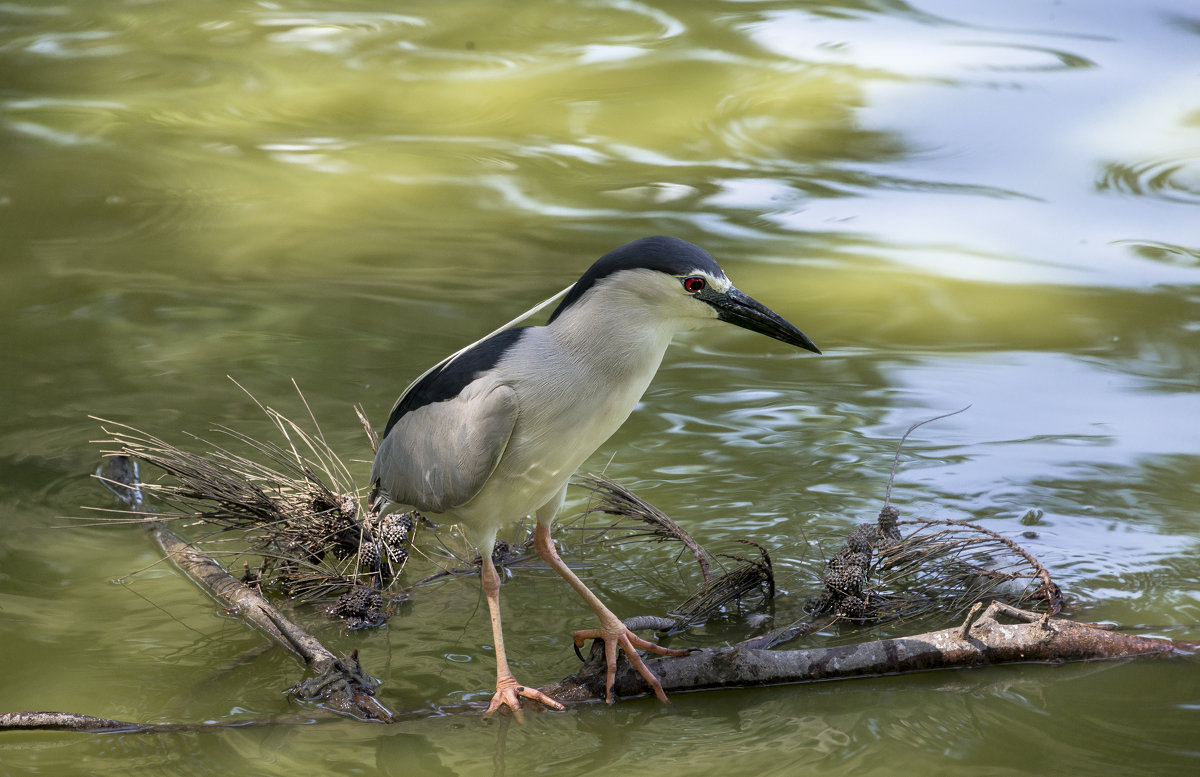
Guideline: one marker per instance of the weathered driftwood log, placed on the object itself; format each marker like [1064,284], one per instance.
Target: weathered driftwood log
[981,640]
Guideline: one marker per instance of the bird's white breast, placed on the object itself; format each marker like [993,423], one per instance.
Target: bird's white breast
[575,386]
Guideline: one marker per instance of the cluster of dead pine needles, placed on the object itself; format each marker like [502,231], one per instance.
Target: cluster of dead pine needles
[883,574]
[951,565]
[732,589]
[292,506]
[637,519]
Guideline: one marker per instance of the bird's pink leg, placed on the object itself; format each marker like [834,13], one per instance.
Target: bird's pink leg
[508,690]
[612,631]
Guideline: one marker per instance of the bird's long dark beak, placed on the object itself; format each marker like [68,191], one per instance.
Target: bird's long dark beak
[745,311]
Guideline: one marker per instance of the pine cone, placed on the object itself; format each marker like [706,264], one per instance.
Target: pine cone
[370,553]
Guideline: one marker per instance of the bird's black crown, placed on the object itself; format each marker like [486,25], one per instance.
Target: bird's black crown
[668,255]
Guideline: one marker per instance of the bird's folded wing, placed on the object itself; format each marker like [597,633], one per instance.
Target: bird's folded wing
[438,456]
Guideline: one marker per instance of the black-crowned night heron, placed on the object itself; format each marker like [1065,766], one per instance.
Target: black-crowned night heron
[493,433]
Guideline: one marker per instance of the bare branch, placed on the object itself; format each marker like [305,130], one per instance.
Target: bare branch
[988,641]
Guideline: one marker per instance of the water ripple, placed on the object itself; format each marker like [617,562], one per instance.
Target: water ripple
[909,46]
[1174,179]
[1166,253]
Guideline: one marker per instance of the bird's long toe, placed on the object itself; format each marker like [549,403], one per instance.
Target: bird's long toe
[509,693]
[622,639]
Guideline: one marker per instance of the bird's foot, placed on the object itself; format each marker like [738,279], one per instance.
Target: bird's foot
[509,693]
[616,637]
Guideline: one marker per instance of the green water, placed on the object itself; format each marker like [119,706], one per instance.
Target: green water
[991,203]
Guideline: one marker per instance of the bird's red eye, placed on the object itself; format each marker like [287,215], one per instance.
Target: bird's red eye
[694,284]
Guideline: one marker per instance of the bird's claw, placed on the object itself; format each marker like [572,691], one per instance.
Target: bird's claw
[619,638]
[509,693]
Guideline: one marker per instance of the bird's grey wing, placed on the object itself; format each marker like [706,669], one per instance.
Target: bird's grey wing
[439,455]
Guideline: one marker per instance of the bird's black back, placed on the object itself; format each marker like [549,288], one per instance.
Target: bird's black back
[448,381]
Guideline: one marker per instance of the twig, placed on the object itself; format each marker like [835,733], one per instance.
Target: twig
[372,435]
[887,499]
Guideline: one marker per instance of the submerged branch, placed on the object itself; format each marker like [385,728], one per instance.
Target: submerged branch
[64,721]
[340,683]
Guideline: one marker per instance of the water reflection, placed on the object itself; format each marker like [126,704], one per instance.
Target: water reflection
[1165,252]
[1173,180]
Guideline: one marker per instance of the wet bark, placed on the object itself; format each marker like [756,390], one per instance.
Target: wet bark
[980,641]
[63,721]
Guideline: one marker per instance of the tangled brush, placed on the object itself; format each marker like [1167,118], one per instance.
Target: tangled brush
[299,512]
[941,567]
